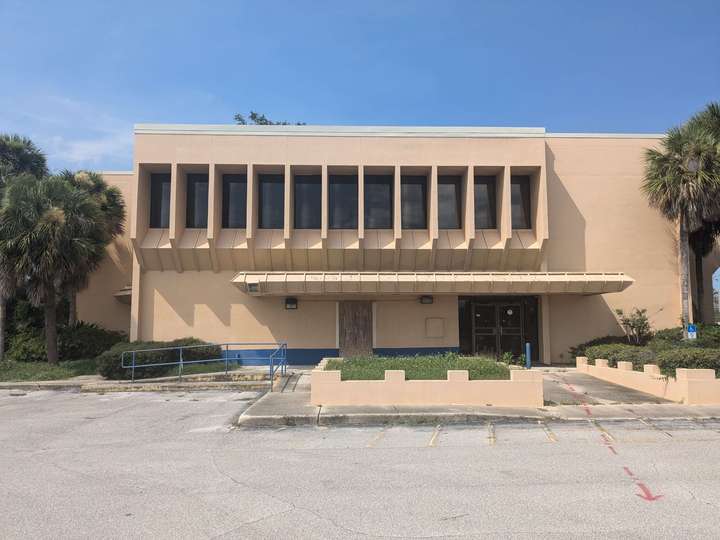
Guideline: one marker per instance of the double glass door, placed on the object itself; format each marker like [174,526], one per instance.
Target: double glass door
[498,328]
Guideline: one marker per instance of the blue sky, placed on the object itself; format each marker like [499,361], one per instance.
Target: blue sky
[75,76]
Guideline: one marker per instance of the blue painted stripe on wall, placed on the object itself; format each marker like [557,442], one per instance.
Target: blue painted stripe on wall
[297,357]
[413,351]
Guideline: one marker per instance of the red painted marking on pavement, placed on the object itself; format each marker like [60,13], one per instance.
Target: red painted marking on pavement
[646,494]
[629,472]
[587,409]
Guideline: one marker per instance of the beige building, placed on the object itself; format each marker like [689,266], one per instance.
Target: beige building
[344,240]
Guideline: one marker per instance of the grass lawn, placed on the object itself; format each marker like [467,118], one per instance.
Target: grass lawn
[418,367]
[42,371]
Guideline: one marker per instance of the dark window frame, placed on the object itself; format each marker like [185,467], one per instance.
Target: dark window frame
[227,180]
[385,180]
[156,220]
[455,180]
[264,221]
[518,221]
[313,208]
[491,183]
[413,180]
[348,210]
[191,201]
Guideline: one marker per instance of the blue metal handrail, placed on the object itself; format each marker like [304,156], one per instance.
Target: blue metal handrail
[277,359]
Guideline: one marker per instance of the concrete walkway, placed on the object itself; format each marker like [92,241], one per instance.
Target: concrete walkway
[568,387]
[568,396]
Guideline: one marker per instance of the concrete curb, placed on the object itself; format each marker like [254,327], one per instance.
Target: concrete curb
[418,419]
[139,387]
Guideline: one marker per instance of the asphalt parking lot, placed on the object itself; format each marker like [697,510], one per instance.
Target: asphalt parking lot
[172,466]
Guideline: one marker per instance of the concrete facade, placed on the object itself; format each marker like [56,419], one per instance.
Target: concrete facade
[588,218]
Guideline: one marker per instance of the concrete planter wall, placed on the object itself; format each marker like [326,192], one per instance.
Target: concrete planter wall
[524,389]
[690,386]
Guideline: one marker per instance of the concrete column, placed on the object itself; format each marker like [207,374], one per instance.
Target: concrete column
[178,200]
[135,300]
[433,217]
[140,214]
[251,212]
[214,212]
[324,218]
[469,205]
[545,329]
[504,208]
[361,203]
[288,213]
[397,207]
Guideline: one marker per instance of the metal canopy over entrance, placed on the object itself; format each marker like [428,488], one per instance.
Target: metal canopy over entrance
[311,283]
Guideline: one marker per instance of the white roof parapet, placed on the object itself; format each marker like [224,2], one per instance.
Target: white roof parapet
[378,131]
[341,131]
[409,283]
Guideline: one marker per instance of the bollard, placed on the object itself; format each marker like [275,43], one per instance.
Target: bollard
[528,362]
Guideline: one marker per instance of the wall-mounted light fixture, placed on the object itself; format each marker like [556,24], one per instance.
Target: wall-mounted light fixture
[426,299]
[291,303]
[253,287]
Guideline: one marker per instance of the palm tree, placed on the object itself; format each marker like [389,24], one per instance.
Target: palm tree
[18,155]
[109,226]
[46,227]
[682,181]
[704,239]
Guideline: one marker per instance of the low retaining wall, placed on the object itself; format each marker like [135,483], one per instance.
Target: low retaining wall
[524,389]
[689,386]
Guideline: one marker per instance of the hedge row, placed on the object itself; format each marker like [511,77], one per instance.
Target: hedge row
[77,342]
[621,352]
[692,358]
[109,362]
[668,360]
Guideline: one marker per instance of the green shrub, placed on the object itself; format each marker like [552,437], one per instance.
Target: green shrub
[27,346]
[708,338]
[580,350]
[109,362]
[621,352]
[691,358]
[418,367]
[85,340]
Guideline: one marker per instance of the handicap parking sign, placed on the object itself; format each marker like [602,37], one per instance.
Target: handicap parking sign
[692,331]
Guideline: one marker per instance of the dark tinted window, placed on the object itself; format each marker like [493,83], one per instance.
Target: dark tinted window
[449,202]
[379,201]
[308,197]
[271,201]
[343,201]
[234,201]
[413,202]
[520,200]
[159,201]
[485,203]
[197,201]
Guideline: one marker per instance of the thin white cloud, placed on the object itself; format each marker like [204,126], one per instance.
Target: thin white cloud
[73,134]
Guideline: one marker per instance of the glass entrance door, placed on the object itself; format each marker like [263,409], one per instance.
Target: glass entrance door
[485,330]
[510,328]
[497,328]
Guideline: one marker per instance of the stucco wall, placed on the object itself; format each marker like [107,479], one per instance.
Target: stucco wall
[600,221]
[96,303]
[207,306]
[403,323]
